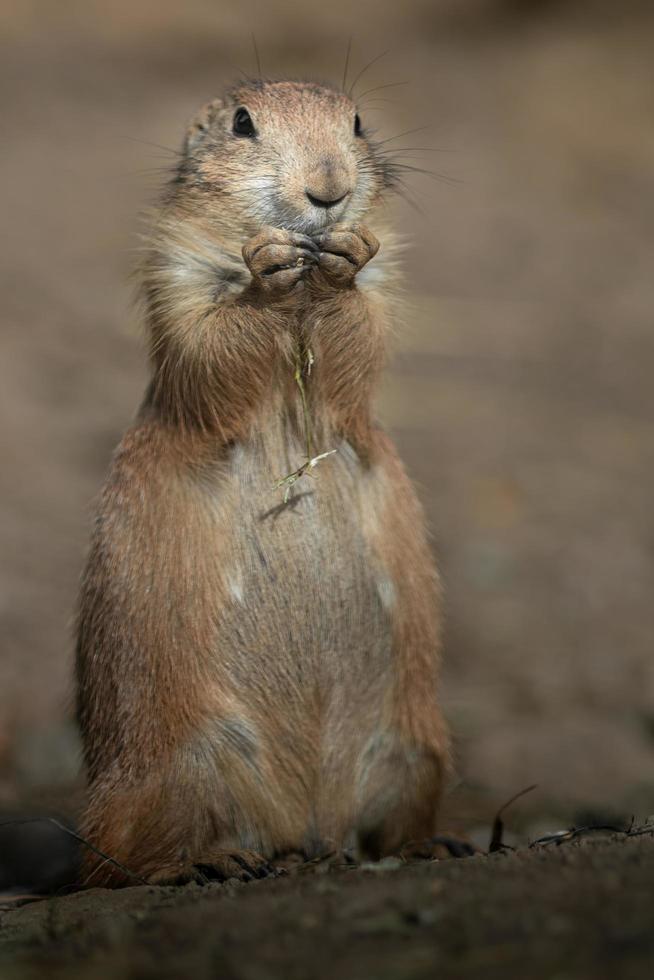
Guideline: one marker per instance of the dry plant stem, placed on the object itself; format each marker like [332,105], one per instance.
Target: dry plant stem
[497,835]
[107,859]
[303,397]
[311,460]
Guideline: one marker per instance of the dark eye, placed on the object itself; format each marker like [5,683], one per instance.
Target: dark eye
[358,129]
[243,125]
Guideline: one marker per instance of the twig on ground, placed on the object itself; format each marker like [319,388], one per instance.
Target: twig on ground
[78,837]
[573,833]
[497,835]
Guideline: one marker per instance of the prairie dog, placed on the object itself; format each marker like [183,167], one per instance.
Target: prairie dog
[257,674]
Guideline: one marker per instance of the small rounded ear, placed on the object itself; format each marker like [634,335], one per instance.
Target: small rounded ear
[200,123]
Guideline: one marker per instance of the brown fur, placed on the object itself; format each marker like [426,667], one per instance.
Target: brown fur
[254,675]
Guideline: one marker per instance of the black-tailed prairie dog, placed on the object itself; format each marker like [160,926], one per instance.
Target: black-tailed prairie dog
[257,668]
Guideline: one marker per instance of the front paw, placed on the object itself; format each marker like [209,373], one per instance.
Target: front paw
[343,251]
[278,259]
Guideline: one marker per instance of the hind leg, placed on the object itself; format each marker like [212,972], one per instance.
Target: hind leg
[399,787]
[403,765]
[165,830]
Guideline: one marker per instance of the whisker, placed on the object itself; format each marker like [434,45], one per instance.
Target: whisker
[422,149]
[371,102]
[407,168]
[256,54]
[375,108]
[365,69]
[379,88]
[150,172]
[407,132]
[403,191]
[158,146]
[347,62]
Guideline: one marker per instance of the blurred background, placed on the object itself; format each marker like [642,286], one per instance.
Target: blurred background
[520,394]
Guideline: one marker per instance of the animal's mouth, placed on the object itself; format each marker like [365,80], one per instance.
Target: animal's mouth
[312,219]
[318,216]
[326,203]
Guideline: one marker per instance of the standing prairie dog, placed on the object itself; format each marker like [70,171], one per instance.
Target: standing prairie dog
[257,675]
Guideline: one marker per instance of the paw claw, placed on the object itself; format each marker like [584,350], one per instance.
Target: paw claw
[278,259]
[344,250]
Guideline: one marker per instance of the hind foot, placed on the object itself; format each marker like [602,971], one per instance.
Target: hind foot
[436,848]
[221,864]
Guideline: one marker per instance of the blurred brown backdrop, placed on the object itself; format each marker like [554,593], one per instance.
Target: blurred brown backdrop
[520,396]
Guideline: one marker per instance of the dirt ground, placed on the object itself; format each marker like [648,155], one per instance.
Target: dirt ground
[575,911]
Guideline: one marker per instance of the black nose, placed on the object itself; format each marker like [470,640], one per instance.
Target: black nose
[321,202]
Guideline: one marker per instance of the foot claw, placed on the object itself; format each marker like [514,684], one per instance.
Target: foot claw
[437,848]
[224,865]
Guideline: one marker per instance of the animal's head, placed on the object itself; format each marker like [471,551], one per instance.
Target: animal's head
[294,155]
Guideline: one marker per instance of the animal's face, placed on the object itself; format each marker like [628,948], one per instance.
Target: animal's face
[289,154]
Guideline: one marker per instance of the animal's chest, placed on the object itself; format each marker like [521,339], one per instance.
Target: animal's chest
[304,586]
